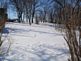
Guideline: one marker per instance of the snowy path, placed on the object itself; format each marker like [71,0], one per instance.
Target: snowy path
[35,43]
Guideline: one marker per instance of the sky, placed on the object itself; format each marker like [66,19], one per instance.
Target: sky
[11,14]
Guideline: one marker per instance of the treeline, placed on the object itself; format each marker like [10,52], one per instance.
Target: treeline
[28,10]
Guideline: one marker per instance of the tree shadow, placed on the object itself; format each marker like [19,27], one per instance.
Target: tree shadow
[41,52]
[14,30]
[5,31]
[45,56]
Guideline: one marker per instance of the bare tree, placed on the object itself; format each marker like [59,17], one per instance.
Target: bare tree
[18,4]
[3,17]
[69,14]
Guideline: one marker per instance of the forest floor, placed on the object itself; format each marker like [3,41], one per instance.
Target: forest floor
[41,42]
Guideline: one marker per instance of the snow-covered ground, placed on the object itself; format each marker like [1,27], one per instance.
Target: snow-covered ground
[33,43]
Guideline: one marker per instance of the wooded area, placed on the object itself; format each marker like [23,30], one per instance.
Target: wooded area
[61,12]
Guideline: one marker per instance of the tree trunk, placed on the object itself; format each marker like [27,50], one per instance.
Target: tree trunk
[72,44]
[80,41]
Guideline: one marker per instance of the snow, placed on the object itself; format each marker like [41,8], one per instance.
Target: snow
[33,43]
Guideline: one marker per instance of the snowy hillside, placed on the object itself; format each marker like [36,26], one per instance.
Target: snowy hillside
[33,43]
